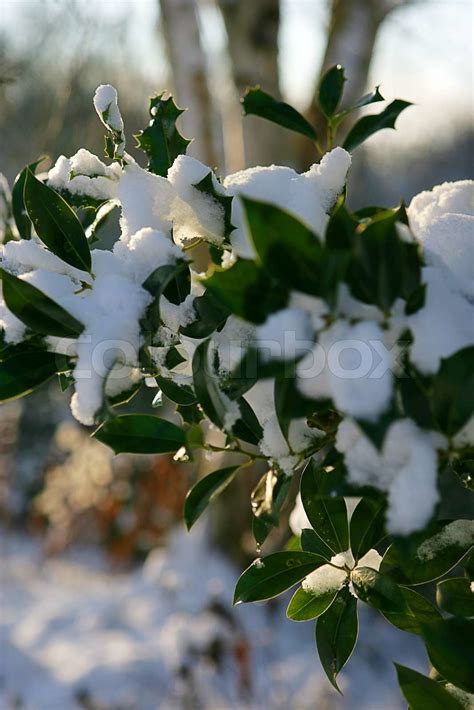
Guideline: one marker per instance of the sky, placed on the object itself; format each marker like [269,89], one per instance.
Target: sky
[424,53]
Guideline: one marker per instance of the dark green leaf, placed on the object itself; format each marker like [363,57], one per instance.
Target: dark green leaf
[247,291]
[455,596]
[21,373]
[206,186]
[418,611]
[270,576]
[328,516]
[247,428]
[450,646]
[310,542]
[304,605]
[287,249]
[36,310]
[370,98]
[422,693]
[336,634]
[426,556]
[140,434]
[453,391]
[368,125]
[203,492]
[159,283]
[56,224]
[206,386]
[330,90]
[211,314]
[258,103]
[180,394]
[161,140]
[367,526]
[384,267]
[378,591]
[23,222]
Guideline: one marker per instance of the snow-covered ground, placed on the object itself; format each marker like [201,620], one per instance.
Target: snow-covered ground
[74,635]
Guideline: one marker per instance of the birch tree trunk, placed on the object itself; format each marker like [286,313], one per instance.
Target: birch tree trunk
[252,28]
[189,76]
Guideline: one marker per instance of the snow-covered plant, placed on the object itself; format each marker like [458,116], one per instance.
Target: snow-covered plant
[285,328]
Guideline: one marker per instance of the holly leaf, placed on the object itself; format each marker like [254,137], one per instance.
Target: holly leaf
[328,516]
[56,224]
[20,215]
[161,140]
[270,576]
[25,370]
[426,556]
[37,310]
[140,434]
[204,491]
[247,291]
[455,596]
[368,125]
[367,526]
[451,651]
[258,103]
[336,634]
[306,605]
[421,692]
[330,90]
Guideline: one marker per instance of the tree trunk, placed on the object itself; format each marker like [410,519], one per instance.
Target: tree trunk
[252,28]
[189,76]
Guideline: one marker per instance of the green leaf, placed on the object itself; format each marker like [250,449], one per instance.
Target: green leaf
[304,605]
[450,646]
[206,186]
[328,516]
[336,634]
[36,309]
[268,577]
[422,693]
[247,428]
[430,554]
[247,291]
[211,314]
[310,542]
[21,373]
[419,611]
[56,224]
[368,125]
[371,98]
[378,591]
[330,90]
[179,394]
[367,526]
[160,282]
[204,491]
[453,391]
[161,140]
[287,249]
[23,222]
[455,596]
[206,386]
[258,103]
[140,434]
[384,267]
